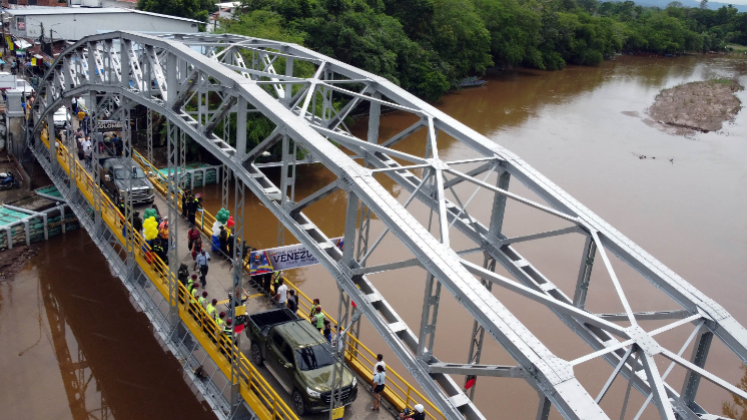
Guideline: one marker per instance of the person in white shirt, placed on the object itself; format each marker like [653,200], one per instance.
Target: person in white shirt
[379,382]
[380,362]
[341,340]
[281,294]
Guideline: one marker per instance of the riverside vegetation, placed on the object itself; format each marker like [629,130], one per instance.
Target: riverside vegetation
[428,46]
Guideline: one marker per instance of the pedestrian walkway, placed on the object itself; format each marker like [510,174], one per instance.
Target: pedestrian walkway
[398,393]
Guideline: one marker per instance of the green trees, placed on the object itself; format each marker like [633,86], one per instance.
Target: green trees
[428,46]
[192,9]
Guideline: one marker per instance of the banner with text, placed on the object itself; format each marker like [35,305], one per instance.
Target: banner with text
[284,258]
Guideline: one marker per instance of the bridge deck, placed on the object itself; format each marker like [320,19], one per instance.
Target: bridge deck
[219,284]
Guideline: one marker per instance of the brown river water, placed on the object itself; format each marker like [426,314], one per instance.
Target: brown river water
[72,344]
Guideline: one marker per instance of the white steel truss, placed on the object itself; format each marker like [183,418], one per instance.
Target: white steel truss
[240,75]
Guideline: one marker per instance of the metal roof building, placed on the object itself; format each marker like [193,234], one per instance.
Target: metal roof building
[74,23]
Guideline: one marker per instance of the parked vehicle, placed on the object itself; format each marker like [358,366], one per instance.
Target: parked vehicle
[8,181]
[114,181]
[61,117]
[23,85]
[300,358]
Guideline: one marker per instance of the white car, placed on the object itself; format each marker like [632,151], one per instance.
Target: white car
[61,117]
[24,86]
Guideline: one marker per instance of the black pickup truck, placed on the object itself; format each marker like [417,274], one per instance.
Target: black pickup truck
[300,358]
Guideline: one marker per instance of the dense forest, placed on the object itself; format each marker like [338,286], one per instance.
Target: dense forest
[427,46]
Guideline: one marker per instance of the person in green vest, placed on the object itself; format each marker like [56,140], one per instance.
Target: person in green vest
[191,283]
[211,308]
[312,312]
[276,282]
[228,329]
[195,292]
[220,319]
[202,300]
[318,319]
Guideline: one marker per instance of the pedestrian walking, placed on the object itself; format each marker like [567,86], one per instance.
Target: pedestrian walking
[137,222]
[327,332]
[192,236]
[196,247]
[292,301]
[318,319]
[281,295]
[379,362]
[86,124]
[266,281]
[223,240]
[211,308]
[183,274]
[314,305]
[193,205]
[379,383]
[277,281]
[339,338]
[201,261]
[185,199]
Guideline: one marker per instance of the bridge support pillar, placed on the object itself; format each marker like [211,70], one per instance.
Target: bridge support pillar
[584,274]
[496,228]
[172,202]
[238,259]
[698,358]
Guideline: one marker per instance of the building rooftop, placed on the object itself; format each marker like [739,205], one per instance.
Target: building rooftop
[86,11]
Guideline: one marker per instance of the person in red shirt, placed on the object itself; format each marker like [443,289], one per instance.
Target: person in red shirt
[192,236]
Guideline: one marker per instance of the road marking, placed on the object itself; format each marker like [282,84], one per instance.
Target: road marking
[255,295]
[222,302]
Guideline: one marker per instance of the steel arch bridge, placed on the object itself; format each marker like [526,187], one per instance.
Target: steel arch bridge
[297,89]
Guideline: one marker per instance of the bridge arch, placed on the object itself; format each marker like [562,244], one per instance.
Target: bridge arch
[164,72]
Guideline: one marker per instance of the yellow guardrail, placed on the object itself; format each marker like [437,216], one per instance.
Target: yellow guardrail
[398,391]
[255,390]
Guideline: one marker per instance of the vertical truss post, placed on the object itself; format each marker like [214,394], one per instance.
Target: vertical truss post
[287,181]
[584,273]
[172,200]
[241,128]
[129,233]
[183,157]
[698,358]
[52,137]
[124,60]
[364,219]
[238,269]
[91,58]
[543,411]
[93,109]
[149,123]
[343,315]
[288,91]
[351,220]
[431,298]
[224,188]
[496,227]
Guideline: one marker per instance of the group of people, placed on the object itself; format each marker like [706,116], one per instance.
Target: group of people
[192,284]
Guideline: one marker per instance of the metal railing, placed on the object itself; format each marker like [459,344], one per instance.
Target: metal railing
[255,390]
[398,391]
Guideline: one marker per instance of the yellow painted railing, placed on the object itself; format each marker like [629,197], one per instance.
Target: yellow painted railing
[255,390]
[398,391]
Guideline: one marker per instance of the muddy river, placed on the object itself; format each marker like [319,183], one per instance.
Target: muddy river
[72,344]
